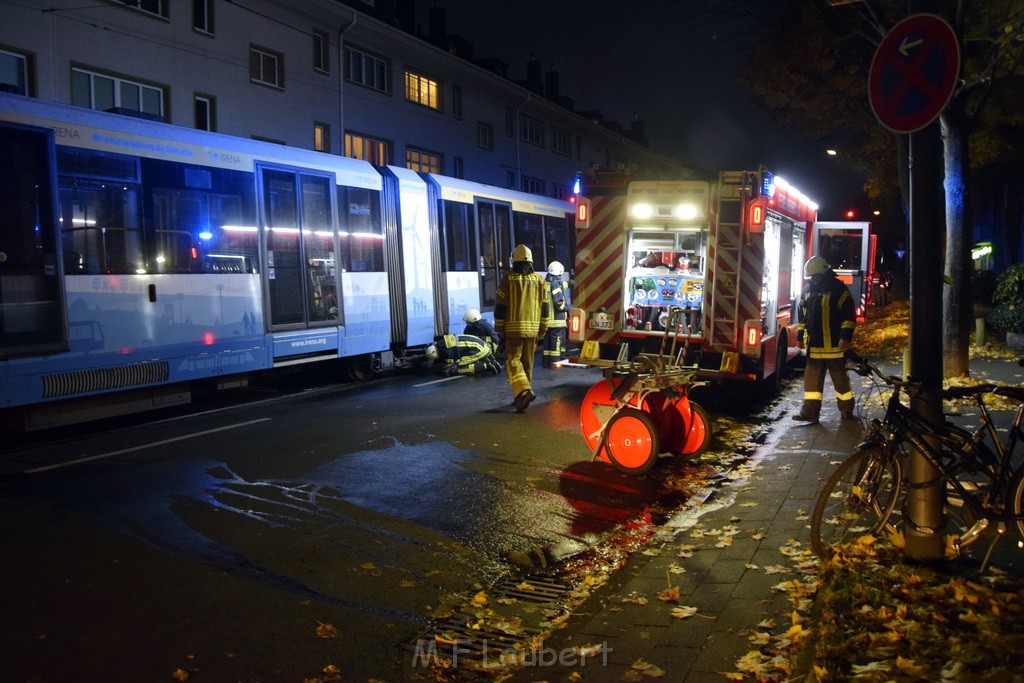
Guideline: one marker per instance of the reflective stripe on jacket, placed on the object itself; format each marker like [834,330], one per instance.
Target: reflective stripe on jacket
[463,348]
[827,315]
[523,305]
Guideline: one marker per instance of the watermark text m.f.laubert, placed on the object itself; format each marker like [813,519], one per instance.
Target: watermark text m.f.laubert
[483,655]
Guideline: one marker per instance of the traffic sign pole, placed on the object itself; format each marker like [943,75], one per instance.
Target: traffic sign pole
[911,79]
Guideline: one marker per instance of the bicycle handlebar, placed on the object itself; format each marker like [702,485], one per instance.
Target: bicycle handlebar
[865,368]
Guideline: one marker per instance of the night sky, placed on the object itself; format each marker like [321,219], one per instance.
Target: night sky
[672,63]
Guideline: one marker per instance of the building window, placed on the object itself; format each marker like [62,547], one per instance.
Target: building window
[532,185]
[367,149]
[321,137]
[579,148]
[321,52]
[422,90]
[485,135]
[559,191]
[510,122]
[531,130]
[156,7]
[13,73]
[510,179]
[422,161]
[458,167]
[457,101]
[202,16]
[366,69]
[561,141]
[98,91]
[266,67]
[204,112]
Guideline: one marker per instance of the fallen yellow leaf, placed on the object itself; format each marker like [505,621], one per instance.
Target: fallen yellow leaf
[326,631]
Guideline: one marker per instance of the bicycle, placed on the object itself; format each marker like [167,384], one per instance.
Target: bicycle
[864,495]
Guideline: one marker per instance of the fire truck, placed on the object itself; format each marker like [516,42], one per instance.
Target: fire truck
[714,265]
[849,247]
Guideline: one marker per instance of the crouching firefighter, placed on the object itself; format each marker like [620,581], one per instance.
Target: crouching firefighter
[463,354]
[827,321]
[478,326]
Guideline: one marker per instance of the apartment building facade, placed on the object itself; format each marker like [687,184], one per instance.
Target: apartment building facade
[319,75]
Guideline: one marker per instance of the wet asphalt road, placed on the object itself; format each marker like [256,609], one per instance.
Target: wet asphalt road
[228,544]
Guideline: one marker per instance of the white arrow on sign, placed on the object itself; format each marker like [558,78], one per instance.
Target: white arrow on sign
[905,46]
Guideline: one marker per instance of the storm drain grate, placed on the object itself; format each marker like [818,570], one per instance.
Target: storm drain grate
[469,638]
[531,590]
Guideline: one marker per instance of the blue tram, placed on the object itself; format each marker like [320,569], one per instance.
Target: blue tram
[137,257]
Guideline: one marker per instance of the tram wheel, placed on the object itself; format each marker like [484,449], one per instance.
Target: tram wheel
[360,368]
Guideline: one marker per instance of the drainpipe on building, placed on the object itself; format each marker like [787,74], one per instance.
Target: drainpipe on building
[519,138]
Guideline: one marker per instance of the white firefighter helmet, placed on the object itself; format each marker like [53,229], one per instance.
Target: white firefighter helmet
[432,354]
[522,253]
[815,266]
[555,269]
[471,316]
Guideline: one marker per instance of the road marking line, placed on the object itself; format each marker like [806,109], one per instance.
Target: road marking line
[87,458]
[438,381]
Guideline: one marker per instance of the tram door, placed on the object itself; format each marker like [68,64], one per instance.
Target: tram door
[31,313]
[494,221]
[298,236]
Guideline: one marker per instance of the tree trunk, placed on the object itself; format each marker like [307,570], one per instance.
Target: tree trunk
[956,294]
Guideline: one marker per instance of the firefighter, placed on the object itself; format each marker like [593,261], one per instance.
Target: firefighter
[463,354]
[557,334]
[827,321]
[478,326]
[521,316]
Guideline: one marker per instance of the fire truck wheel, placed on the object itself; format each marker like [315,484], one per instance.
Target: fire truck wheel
[631,441]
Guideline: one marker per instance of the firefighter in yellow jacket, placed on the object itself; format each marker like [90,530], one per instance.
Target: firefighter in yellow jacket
[827,321]
[521,315]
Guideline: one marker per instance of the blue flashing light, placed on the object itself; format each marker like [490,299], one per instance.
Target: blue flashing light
[577,184]
[205,235]
[767,184]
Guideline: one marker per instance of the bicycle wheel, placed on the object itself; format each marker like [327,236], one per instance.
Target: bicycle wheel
[857,500]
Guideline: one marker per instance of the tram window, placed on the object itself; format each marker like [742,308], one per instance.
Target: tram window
[199,219]
[529,230]
[100,226]
[459,242]
[362,233]
[557,233]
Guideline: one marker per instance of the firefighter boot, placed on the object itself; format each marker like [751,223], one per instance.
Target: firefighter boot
[524,399]
[807,415]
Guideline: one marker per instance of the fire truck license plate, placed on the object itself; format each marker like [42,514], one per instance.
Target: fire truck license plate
[601,324]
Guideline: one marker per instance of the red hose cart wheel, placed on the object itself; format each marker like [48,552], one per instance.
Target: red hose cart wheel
[631,441]
[684,426]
